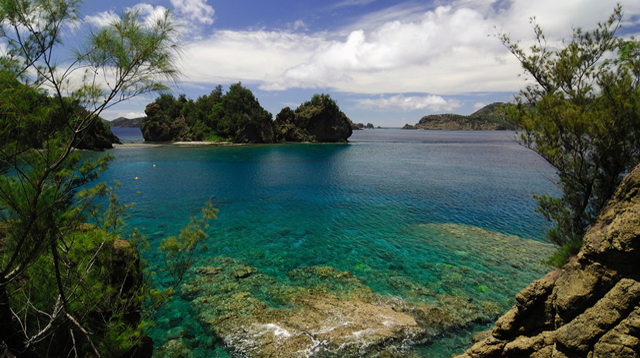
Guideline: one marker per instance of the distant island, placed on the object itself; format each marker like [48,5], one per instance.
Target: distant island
[236,116]
[122,122]
[491,117]
[361,126]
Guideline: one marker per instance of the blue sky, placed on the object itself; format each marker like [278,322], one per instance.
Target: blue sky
[385,62]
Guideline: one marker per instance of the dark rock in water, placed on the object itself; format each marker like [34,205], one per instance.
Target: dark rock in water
[590,307]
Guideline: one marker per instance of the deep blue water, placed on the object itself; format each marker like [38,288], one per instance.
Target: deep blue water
[368,206]
[128,135]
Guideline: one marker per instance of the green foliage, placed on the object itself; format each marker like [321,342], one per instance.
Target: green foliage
[67,288]
[215,117]
[318,103]
[179,252]
[582,114]
[317,120]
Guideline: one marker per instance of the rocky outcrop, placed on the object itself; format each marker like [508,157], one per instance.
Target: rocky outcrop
[361,126]
[318,120]
[591,306]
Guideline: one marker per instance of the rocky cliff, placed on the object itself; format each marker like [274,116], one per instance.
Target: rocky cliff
[588,308]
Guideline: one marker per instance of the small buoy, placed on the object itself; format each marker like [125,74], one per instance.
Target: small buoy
[154,165]
[136,178]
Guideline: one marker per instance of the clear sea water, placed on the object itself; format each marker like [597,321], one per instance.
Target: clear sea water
[375,207]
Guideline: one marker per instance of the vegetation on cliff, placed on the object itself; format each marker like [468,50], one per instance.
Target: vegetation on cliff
[317,120]
[491,117]
[582,115]
[237,116]
[234,116]
[68,288]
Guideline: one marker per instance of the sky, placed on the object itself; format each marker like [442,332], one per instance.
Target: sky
[385,62]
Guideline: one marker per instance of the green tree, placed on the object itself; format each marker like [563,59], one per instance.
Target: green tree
[61,293]
[240,109]
[582,114]
[235,116]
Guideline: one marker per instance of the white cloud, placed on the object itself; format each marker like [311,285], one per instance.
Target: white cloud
[248,56]
[148,15]
[407,48]
[195,10]
[393,47]
[298,25]
[351,3]
[479,105]
[411,103]
[102,19]
[132,114]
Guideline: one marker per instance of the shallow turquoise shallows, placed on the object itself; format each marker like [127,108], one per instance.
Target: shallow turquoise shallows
[396,208]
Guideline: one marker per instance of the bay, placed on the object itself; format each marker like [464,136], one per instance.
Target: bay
[412,214]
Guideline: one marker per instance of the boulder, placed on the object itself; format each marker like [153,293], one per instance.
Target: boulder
[590,307]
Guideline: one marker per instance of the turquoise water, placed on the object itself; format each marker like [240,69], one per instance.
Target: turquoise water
[399,209]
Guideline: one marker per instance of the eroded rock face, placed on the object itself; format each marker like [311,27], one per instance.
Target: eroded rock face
[590,307]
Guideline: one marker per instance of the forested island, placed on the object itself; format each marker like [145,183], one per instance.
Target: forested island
[491,117]
[122,122]
[237,116]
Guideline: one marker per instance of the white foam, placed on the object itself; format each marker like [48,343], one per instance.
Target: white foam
[277,330]
[364,332]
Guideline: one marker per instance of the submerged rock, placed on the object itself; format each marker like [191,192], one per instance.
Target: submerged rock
[590,307]
[334,315]
[319,323]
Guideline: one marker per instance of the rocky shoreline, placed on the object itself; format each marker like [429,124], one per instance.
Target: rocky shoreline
[588,308]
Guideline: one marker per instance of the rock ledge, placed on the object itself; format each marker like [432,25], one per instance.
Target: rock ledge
[590,307]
